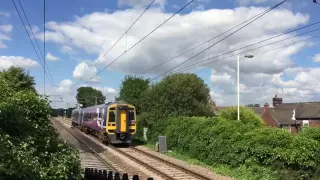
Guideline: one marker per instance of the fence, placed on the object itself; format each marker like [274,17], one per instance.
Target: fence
[95,174]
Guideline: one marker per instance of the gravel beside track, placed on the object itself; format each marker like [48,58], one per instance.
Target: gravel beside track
[123,164]
[157,165]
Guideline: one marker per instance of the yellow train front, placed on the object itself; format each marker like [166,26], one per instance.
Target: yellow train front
[113,123]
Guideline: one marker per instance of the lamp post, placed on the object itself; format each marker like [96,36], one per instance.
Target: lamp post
[238,72]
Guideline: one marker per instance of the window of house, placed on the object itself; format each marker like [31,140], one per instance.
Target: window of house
[305,123]
[287,127]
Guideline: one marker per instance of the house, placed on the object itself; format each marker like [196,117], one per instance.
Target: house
[292,116]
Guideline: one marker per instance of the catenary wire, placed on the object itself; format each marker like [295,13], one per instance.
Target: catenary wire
[219,40]
[148,7]
[140,40]
[208,59]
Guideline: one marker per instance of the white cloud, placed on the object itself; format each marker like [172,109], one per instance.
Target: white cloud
[260,88]
[17,61]
[85,71]
[64,96]
[7,28]
[5,14]
[67,50]
[316,58]
[109,93]
[247,2]
[65,86]
[95,33]
[51,57]
[141,3]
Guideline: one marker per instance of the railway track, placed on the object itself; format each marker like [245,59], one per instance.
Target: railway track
[89,157]
[161,167]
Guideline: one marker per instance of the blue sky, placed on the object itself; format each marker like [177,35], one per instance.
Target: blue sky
[109,19]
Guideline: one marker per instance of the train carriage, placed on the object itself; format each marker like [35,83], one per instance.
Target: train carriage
[113,123]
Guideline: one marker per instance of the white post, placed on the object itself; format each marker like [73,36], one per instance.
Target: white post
[238,72]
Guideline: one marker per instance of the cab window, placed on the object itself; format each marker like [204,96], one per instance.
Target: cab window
[112,116]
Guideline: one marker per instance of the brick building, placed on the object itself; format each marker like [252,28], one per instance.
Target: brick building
[291,116]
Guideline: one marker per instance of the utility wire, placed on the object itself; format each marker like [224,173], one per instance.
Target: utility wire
[118,40]
[141,39]
[288,45]
[221,39]
[191,65]
[48,70]
[201,43]
[44,45]
[236,49]
[29,37]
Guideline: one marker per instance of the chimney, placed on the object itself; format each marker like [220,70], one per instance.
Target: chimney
[276,101]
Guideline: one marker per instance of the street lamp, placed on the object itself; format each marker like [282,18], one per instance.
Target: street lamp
[238,72]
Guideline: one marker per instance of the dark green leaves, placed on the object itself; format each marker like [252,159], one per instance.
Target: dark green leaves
[87,96]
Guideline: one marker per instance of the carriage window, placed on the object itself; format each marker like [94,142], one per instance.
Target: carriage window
[131,114]
[112,116]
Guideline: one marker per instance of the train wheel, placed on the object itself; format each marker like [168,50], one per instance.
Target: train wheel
[103,138]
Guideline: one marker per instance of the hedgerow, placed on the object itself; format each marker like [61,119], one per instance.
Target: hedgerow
[247,146]
[30,147]
[269,153]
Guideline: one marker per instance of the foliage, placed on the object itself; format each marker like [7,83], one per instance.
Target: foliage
[247,116]
[177,95]
[311,133]
[245,145]
[131,90]
[18,79]
[87,96]
[30,147]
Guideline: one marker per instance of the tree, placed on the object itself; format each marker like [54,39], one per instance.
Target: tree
[30,147]
[131,90]
[88,96]
[18,79]
[177,95]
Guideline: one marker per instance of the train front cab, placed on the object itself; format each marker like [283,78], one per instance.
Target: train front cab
[121,124]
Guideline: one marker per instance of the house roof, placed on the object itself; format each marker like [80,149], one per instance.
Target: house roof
[258,110]
[308,110]
[283,115]
[284,112]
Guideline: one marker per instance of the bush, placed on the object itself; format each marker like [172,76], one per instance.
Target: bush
[30,148]
[268,153]
[311,133]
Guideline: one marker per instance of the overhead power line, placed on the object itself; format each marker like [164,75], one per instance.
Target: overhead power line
[24,25]
[117,40]
[141,39]
[229,52]
[270,9]
[49,75]
[207,41]
[233,50]
[256,54]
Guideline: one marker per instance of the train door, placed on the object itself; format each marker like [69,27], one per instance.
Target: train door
[122,125]
[123,120]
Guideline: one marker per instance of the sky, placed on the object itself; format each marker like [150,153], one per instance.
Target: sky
[79,33]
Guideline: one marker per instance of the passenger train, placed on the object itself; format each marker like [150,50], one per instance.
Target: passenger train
[114,122]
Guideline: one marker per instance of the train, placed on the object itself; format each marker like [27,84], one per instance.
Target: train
[112,123]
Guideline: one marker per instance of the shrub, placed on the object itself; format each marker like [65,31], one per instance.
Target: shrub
[30,148]
[245,144]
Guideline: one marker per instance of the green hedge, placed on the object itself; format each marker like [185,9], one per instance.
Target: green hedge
[269,153]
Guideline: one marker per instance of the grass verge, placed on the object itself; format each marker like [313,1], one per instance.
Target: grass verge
[239,173]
